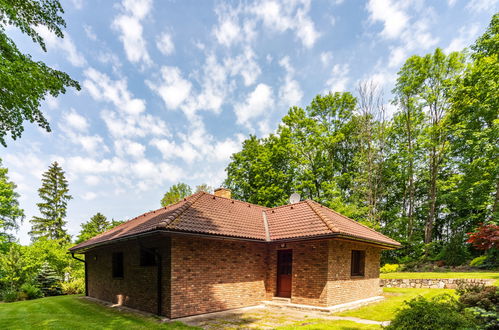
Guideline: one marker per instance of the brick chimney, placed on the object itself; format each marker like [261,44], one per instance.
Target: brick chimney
[223,192]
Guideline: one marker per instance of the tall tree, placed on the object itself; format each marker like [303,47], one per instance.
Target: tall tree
[10,212]
[175,194]
[371,156]
[474,195]
[204,187]
[54,194]
[96,225]
[430,80]
[25,83]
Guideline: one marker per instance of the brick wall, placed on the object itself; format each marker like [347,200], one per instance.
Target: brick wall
[138,287]
[309,272]
[342,287]
[203,275]
[210,275]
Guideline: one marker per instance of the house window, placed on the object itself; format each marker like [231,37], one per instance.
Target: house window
[148,257]
[118,264]
[358,262]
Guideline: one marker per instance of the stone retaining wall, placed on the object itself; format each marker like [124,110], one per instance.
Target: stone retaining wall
[441,283]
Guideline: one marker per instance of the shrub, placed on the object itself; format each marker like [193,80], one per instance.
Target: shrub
[10,295]
[487,298]
[441,312]
[75,286]
[30,291]
[49,281]
[478,261]
[390,268]
[486,319]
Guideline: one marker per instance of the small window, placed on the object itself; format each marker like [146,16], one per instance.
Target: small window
[118,264]
[148,257]
[358,262]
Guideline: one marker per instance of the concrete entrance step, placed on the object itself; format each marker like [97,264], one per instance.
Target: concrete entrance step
[324,309]
[281,300]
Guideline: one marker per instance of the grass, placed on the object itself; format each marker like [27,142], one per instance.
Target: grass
[323,324]
[395,297]
[72,312]
[429,275]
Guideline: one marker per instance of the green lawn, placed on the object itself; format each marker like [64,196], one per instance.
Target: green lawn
[429,275]
[333,325]
[395,297]
[72,312]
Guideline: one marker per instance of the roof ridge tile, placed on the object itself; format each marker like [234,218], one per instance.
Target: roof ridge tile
[190,200]
[323,217]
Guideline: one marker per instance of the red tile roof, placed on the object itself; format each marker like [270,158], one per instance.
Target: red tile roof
[204,213]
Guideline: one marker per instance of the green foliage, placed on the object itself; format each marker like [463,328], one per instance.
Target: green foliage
[485,319]
[14,268]
[29,291]
[54,194]
[10,295]
[10,212]
[440,312]
[49,281]
[76,286]
[96,225]
[427,174]
[204,187]
[455,252]
[390,268]
[175,194]
[478,261]
[486,297]
[481,302]
[24,82]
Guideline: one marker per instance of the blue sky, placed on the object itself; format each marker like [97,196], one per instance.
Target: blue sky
[170,89]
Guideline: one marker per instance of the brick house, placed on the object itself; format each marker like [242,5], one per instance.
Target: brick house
[210,253]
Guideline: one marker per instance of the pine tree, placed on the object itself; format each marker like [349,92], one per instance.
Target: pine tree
[55,197]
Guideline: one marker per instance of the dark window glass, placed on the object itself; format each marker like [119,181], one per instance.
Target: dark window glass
[358,262]
[118,264]
[148,257]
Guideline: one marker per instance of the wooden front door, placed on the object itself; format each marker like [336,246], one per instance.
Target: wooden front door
[284,271]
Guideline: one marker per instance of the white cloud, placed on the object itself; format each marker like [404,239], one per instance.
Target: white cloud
[165,44]
[466,35]
[290,93]
[228,31]
[78,4]
[238,24]
[102,88]
[125,126]
[130,148]
[89,32]
[390,14]
[173,89]
[66,45]
[483,5]
[128,23]
[246,65]
[74,120]
[92,180]
[326,58]
[291,15]
[257,103]
[339,78]
[89,195]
